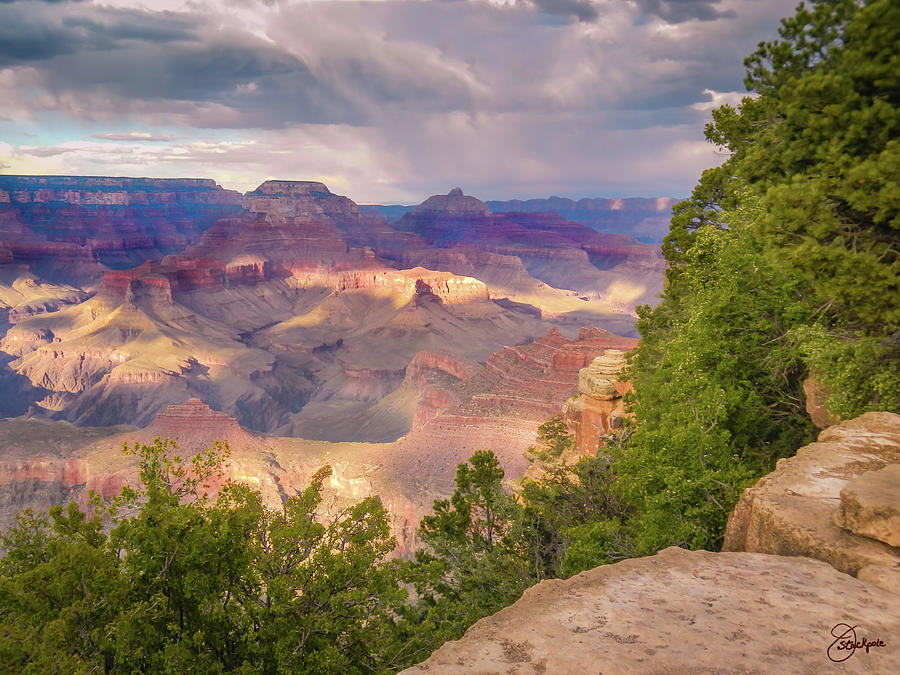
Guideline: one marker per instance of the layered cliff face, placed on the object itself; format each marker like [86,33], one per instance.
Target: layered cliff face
[497,406]
[455,405]
[70,227]
[287,308]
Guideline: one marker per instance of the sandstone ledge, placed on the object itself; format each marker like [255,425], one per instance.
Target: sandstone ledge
[683,611]
[792,510]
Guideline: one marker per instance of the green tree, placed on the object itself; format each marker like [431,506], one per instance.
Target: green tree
[475,561]
[783,262]
[185,583]
[820,147]
[573,518]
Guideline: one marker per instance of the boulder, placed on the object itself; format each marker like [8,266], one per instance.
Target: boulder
[870,505]
[600,379]
[686,611]
[792,510]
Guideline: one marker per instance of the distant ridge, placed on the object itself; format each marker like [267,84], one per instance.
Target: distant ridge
[644,218]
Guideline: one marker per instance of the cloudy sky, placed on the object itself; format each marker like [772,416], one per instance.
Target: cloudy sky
[384,100]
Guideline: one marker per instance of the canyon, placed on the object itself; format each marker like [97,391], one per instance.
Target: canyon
[459,406]
[297,327]
[286,308]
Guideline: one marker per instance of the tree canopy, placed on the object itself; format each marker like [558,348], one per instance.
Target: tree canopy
[164,578]
[783,264]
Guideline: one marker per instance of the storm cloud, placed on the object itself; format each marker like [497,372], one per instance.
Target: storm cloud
[392,99]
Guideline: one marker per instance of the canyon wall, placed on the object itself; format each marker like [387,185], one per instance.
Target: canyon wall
[72,226]
[292,311]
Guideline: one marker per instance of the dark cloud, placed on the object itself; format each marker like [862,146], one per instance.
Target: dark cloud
[118,25]
[367,64]
[33,32]
[679,11]
[583,10]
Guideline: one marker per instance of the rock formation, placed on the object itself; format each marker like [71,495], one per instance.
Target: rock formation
[599,407]
[499,406]
[558,252]
[286,308]
[685,611]
[455,405]
[70,227]
[194,425]
[870,505]
[829,500]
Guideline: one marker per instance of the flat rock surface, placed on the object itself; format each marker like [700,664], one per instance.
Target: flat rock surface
[870,505]
[792,510]
[685,611]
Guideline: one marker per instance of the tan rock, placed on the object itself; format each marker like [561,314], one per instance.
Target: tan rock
[870,505]
[599,380]
[882,576]
[684,611]
[792,510]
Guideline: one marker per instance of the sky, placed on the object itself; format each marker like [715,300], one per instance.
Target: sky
[384,100]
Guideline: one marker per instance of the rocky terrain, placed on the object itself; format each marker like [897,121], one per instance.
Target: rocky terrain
[810,567]
[72,227]
[684,611]
[836,500]
[456,406]
[285,308]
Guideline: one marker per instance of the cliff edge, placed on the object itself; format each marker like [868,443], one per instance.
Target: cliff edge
[738,611]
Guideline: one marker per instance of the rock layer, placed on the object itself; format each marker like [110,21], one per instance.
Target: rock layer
[681,611]
[72,226]
[792,510]
[870,505]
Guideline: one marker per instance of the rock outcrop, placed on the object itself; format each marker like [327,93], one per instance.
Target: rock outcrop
[500,405]
[870,505]
[299,199]
[828,500]
[194,426]
[599,408]
[454,202]
[686,611]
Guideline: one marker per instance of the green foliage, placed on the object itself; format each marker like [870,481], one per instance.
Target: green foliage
[564,511]
[186,584]
[859,371]
[718,389]
[475,560]
[783,261]
[555,438]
